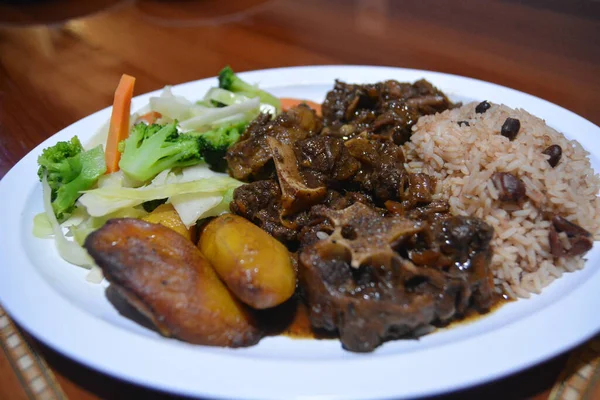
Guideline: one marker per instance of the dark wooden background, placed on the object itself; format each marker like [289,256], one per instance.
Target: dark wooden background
[60,60]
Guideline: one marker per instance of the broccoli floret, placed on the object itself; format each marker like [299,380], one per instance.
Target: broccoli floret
[150,149]
[228,80]
[69,170]
[54,161]
[214,143]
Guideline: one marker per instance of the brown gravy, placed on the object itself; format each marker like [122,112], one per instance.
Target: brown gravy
[291,319]
[473,316]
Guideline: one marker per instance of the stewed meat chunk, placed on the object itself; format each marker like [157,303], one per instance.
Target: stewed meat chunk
[386,109]
[249,159]
[357,281]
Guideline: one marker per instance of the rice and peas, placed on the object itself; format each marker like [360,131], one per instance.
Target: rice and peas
[463,157]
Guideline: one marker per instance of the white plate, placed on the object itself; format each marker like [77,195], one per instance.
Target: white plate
[52,300]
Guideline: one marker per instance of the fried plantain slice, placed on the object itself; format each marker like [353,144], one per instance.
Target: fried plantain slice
[166,277]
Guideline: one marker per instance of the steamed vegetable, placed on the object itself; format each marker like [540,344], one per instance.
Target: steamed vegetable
[254,265]
[105,200]
[156,158]
[149,118]
[69,251]
[119,121]
[214,143]
[221,97]
[89,224]
[193,206]
[151,149]
[69,171]
[171,106]
[42,228]
[207,118]
[229,80]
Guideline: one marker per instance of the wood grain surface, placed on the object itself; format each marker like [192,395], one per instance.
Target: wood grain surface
[60,60]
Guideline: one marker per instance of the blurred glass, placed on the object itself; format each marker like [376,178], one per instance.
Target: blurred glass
[47,12]
[182,13]
[18,2]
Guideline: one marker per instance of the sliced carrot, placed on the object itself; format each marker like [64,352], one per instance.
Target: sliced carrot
[119,122]
[287,103]
[149,117]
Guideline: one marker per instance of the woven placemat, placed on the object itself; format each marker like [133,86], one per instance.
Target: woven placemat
[580,380]
[33,373]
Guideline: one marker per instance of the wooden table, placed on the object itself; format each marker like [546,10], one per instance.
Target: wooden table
[60,61]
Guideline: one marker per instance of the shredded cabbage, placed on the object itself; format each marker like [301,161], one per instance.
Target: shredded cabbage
[112,179]
[210,116]
[203,116]
[68,250]
[150,192]
[42,228]
[95,275]
[105,200]
[228,98]
[78,216]
[169,105]
[224,96]
[193,206]
[221,208]
[90,224]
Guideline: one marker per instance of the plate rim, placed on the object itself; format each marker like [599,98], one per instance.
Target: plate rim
[76,348]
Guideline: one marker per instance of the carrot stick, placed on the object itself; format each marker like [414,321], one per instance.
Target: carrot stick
[287,103]
[149,117]
[119,122]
